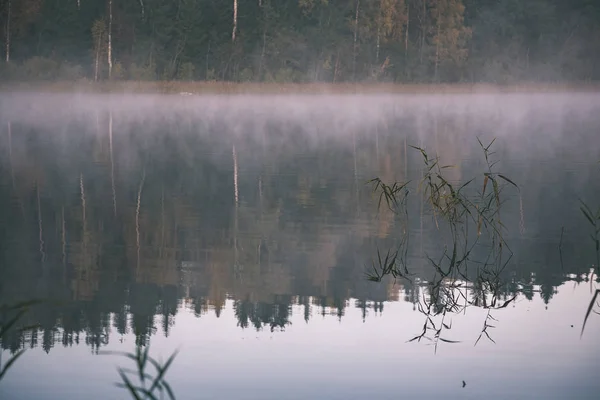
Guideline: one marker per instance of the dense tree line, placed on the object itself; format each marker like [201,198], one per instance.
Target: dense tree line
[302,40]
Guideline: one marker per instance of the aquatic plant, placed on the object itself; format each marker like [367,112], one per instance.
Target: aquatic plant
[590,310]
[394,263]
[149,387]
[453,208]
[594,220]
[10,315]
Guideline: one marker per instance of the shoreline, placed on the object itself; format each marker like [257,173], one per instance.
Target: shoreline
[234,88]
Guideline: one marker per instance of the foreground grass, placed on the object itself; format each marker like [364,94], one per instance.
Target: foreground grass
[213,87]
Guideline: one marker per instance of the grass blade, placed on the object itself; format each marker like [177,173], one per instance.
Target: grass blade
[169,390]
[162,369]
[508,180]
[10,362]
[588,216]
[589,311]
[449,341]
[132,389]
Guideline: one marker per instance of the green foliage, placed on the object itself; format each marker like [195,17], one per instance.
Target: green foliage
[10,71]
[285,75]
[118,72]
[246,75]
[211,75]
[142,73]
[186,71]
[99,34]
[69,72]
[40,68]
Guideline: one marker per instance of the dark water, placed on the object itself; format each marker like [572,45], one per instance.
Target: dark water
[241,231]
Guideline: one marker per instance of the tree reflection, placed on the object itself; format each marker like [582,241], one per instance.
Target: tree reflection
[120,230]
[471,271]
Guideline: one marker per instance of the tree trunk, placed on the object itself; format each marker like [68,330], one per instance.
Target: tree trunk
[235,12]
[82,193]
[40,224]
[357,194]
[10,160]
[207,54]
[437,44]
[406,34]
[8,32]
[109,39]
[64,243]
[137,218]
[262,53]
[235,174]
[337,64]
[235,219]
[377,48]
[96,64]
[423,15]
[12,171]
[355,40]
[112,161]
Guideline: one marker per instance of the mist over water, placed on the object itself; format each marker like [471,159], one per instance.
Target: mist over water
[241,229]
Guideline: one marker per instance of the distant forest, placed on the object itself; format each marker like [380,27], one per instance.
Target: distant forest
[495,41]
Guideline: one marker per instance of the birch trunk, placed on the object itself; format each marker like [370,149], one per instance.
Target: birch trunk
[12,171]
[109,39]
[40,224]
[262,53]
[235,174]
[357,194]
[437,45]
[377,48]
[112,162]
[237,269]
[96,64]
[207,54]
[84,233]
[8,32]
[337,64]
[406,34]
[64,244]
[423,14]
[355,40]
[10,160]
[235,12]
[137,218]
[82,193]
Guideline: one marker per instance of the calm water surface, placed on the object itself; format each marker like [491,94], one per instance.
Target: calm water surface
[242,231]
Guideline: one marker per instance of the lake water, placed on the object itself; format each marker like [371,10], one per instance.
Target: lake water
[243,230]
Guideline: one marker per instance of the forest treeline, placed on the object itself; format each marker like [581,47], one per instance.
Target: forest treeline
[280,41]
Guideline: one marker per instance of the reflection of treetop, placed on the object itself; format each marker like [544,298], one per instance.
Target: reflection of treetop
[123,236]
